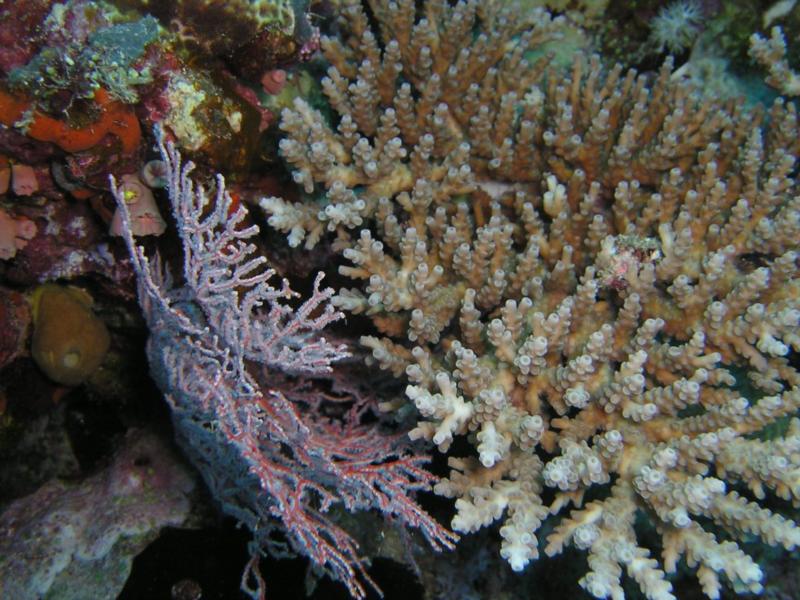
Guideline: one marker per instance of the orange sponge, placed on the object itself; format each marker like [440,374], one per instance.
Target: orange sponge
[115,118]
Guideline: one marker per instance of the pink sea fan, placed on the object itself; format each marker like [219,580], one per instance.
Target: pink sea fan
[249,380]
[15,233]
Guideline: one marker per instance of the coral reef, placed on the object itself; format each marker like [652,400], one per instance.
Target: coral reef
[69,242]
[591,275]
[102,54]
[115,119]
[91,73]
[79,540]
[585,279]
[211,117]
[251,36]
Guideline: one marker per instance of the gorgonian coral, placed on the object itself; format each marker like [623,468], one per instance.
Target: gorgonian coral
[278,438]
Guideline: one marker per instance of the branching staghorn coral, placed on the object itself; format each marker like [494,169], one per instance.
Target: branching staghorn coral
[592,275]
[771,54]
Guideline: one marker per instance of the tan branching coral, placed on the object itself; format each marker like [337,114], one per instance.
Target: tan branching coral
[593,276]
[771,54]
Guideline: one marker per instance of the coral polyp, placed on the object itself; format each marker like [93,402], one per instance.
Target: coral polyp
[676,26]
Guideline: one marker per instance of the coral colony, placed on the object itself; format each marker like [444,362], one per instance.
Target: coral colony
[575,284]
[578,273]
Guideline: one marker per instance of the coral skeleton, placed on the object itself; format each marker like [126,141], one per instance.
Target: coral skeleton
[592,276]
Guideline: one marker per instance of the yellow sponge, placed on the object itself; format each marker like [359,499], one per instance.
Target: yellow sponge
[69,340]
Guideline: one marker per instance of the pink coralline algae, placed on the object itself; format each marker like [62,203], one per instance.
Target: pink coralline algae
[63,245]
[15,233]
[271,454]
[23,180]
[15,320]
[74,541]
